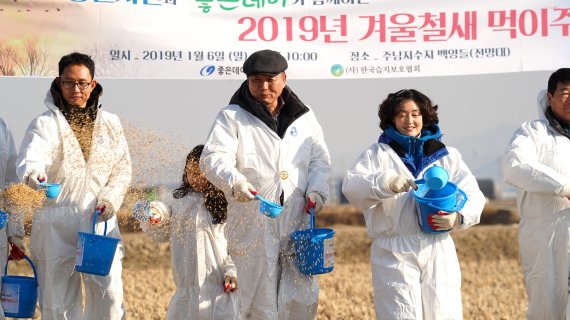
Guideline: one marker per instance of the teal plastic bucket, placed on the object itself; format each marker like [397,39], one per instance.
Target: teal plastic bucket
[435,177]
[268,208]
[314,249]
[19,294]
[429,202]
[52,189]
[94,253]
[3,219]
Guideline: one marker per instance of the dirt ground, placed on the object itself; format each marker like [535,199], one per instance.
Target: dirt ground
[492,282]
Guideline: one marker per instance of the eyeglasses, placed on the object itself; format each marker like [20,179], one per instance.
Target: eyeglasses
[71,84]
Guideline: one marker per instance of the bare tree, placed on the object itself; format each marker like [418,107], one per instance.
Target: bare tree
[8,59]
[35,59]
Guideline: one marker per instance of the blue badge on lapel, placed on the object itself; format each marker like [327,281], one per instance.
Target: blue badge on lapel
[293,131]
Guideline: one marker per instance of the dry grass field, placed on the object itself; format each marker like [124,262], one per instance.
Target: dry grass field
[492,281]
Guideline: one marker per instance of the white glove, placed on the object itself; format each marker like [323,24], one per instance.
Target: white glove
[445,220]
[242,191]
[35,177]
[399,184]
[315,200]
[106,210]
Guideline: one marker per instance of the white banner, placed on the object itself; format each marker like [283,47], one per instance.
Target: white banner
[321,39]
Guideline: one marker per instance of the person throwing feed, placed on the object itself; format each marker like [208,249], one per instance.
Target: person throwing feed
[82,147]
[267,141]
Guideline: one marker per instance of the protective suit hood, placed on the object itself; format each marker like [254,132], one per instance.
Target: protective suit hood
[293,108]
[54,99]
[416,153]
[542,103]
[545,113]
[81,120]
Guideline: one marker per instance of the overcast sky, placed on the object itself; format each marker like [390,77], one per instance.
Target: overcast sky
[478,114]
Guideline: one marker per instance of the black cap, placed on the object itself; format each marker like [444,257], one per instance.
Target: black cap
[266,62]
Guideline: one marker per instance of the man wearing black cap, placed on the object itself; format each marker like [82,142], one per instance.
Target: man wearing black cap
[268,141]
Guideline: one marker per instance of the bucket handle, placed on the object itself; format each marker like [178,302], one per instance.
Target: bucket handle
[95,215]
[31,264]
[314,239]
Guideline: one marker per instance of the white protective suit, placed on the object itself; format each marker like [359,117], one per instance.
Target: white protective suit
[15,226]
[415,274]
[200,259]
[536,164]
[50,146]
[241,147]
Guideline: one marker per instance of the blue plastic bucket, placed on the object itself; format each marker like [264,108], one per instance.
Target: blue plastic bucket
[3,219]
[314,249]
[429,202]
[94,253]
[19,294]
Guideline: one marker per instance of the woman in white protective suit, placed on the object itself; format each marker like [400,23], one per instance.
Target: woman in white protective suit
[536,163]
[13,232]
[193,219]
[268,141]
[415,274]
[83,148]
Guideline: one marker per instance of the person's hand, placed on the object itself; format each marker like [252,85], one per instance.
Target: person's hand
[158,213]
[230,284]
[242,191]
[399,184]
[315,201]
[17,249]
[155,216]
[444,220]
[105,210]
[35,177]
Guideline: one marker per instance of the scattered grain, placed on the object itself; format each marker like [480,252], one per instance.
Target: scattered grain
[23,198]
